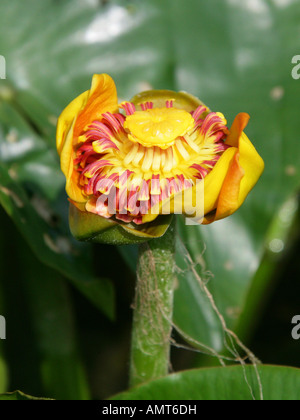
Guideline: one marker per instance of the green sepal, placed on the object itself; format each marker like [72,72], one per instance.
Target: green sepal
[90,227]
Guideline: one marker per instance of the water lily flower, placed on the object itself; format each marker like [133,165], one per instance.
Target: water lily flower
[126,163]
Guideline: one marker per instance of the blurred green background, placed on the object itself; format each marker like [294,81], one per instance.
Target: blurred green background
[66,304]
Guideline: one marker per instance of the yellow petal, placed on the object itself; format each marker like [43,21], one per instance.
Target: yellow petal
[185,201]
[243,173]
[213,182]
[67,117]
[102,98]
[87,107]
[67,166]
[239,124]
[253,166]
[229,195]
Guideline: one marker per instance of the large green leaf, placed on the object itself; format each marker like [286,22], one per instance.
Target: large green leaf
[51,246]
[28,164]
[3,374]
[29,159]
[76,39]
[229,71]
[52,318]
[235,55]
[230,383]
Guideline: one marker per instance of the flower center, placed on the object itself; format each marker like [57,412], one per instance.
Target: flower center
[145,157]
[159,126]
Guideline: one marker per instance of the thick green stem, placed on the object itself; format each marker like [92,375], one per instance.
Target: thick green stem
[153,309]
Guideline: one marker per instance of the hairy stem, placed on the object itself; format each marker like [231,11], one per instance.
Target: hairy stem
[153,309]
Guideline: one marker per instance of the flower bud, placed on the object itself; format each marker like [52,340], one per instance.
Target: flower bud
[130,166]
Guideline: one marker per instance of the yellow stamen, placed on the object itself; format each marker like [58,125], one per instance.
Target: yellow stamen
[182,150]
[156,159]
[139,155]
[169,160]
[192,144]
[131,155]
[148,159]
